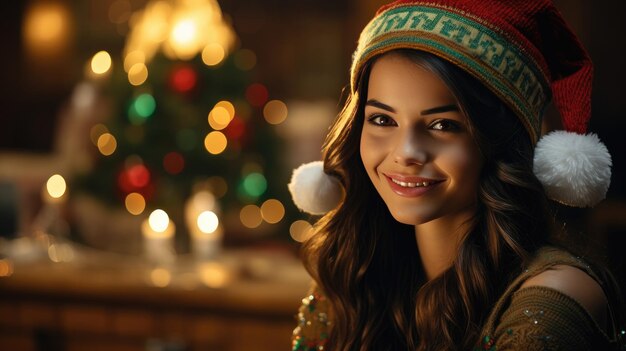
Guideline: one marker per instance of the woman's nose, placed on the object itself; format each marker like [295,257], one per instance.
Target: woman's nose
[410,149]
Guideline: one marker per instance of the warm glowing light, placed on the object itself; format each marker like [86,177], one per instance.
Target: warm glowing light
[250,216]
[101,62]
[6,268]
[300,230]
[60,253]
[215,142]
[46,26]
[107,144]
[134,58]
[275,112]
[181,30]
[272,211]
[96,131]
[56,186]
[159,221]
[213,54]
[184,32]
[138,74]
[135,203]
[160,277]
[219,118]
[228,106]
[208,222]
[245,59]
[213,275]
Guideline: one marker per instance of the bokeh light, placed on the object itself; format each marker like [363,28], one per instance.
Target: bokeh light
[272,211]
[135,203]
[138,74]
[213,275]
[215,142]
[213,54]
[138,176]
[219,117]
[173,162]
[257,94]
[141,108]
[96,131]
[56,186]
[228,106]
[160,277]
[184,79]
[159,220]
[107,144]
[255,184]
[60,253]
[250,216]
[101,62]
[133,58]
[208,222]
[300,230]
[6,267]
[46,26]
[275,112]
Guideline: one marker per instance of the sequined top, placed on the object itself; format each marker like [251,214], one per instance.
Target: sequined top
[530,318]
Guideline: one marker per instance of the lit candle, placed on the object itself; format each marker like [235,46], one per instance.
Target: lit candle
[158,234]
[55,189]
[206,235]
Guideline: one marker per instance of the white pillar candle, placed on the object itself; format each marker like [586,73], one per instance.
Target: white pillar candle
[158,237]
[206,235]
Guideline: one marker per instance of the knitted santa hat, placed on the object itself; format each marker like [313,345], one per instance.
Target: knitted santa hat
[525,53]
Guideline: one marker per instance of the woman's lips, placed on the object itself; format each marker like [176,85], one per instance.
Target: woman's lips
[409,186]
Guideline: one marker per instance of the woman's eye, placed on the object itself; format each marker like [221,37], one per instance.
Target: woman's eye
[381,120]
[445,125]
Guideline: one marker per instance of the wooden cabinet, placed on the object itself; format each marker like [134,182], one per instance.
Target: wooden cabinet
[111,304]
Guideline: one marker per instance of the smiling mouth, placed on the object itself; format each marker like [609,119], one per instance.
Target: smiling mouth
[413,185]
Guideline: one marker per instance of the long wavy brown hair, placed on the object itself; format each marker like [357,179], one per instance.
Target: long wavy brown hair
[367,264]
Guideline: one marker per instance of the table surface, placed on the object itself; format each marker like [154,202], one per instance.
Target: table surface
[247,281]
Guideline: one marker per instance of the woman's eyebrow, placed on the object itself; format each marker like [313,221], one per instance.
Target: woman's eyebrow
[376,103]
[440,109]
[430,111]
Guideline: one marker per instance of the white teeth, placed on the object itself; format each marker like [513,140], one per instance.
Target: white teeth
[409,184]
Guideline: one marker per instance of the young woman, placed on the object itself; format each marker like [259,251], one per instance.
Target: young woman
[442,238]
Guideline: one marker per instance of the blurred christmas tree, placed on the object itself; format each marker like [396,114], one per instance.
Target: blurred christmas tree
[188,120]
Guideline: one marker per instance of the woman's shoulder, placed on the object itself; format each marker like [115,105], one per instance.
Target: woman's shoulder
[557,302]
[576,284]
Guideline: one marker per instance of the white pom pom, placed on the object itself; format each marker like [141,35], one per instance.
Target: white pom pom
[574,169]
[314,191]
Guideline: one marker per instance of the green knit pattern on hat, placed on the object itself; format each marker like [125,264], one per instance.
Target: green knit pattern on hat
[497,62]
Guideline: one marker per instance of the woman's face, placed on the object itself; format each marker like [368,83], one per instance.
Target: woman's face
[416,144]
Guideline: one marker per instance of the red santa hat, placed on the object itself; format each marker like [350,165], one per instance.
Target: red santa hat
[526,54]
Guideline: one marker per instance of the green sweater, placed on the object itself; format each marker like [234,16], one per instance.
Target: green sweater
[531,318]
